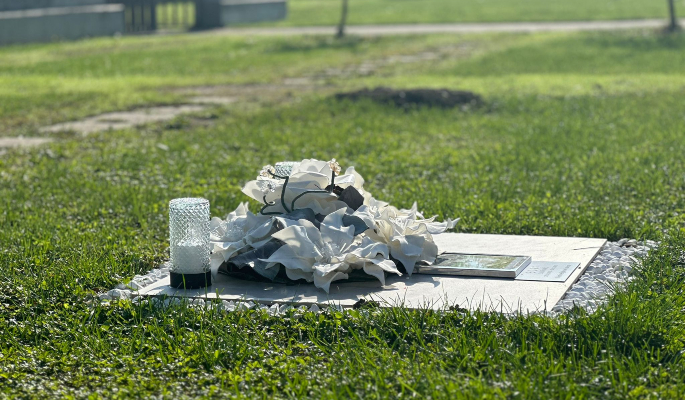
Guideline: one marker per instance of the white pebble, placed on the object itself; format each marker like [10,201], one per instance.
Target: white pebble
[135,285]
[119,294]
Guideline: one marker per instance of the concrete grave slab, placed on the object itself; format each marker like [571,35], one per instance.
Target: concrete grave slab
[424,290]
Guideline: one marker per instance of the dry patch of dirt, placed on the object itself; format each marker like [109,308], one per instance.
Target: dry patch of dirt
[213,100]
[289,90]
[15,142]
[123,120]
[20,142]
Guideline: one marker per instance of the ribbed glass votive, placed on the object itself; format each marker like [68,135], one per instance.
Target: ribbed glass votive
[189,243]
[285,168]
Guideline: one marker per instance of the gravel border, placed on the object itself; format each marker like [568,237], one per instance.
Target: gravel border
[610,269]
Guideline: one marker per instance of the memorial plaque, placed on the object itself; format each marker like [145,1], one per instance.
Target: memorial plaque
[548,271]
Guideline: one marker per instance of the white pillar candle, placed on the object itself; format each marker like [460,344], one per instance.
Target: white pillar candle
[189,258]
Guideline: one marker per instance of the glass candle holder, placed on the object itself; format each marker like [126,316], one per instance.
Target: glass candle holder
[189,243]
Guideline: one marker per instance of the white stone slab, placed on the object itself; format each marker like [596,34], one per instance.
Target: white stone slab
[426,290]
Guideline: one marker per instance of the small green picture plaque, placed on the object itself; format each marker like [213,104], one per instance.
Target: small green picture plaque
[489,265]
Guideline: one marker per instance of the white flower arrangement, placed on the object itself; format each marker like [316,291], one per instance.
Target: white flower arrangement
[319,226]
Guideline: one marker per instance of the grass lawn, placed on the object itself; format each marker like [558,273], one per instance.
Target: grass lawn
[327,12]
[581,135]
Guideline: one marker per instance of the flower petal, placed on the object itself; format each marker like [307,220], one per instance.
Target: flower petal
[430,252]
[407,250]
[300,233]
[295,274]
[312,165]
[324,274]
[376,271]
[345,180]
[259,232]
[369,248]
[292,258]
[365,214]
[254,190]
[333,231]
[387,266]
[358,180]
[379,266]
[435,228]
[216,259]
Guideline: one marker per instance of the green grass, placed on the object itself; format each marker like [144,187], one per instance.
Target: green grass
[327,12]
[581,135]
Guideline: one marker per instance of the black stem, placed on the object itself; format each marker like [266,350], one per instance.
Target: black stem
[266,205]
[270,204]
[292,205]
[285,184]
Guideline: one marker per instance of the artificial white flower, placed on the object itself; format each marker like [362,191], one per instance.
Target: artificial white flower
[409,239]
[308,175]
[328,254]
[241,229]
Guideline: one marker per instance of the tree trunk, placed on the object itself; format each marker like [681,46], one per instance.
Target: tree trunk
[343,20]
[673,24]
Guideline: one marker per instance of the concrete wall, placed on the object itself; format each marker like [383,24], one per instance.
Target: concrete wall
[218,13]
[13,5]
[66,23]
